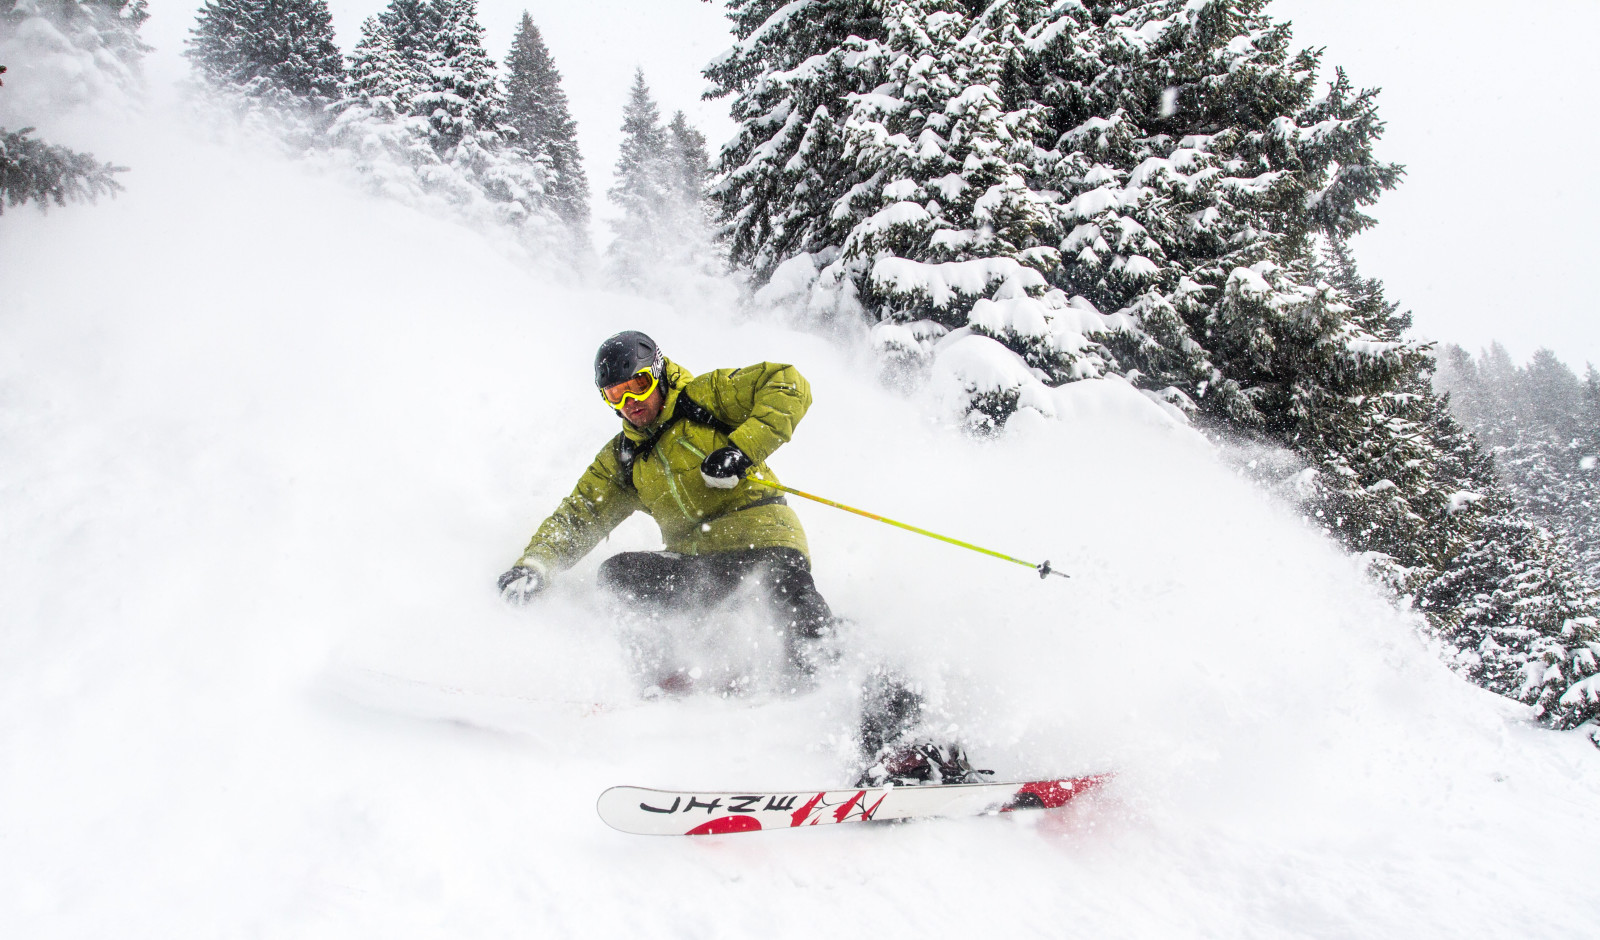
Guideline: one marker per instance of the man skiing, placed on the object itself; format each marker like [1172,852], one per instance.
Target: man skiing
[686,446]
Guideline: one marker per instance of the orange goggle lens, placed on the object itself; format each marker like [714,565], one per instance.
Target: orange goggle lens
[639,385]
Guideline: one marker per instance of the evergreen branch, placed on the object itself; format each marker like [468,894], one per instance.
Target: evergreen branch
[32,170]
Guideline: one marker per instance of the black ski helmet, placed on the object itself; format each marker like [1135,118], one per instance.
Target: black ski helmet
[624,354]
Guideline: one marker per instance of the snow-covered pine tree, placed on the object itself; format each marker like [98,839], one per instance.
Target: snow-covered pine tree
[463,99]
[1540,423]
[692,264]
[68,53]
[414,26]
[1523,623]
[381,77]
[1389,466]
[1543,467]
[645,188]
[281,51]
[1167,164]
[1138,186]
[789,75]
[1397,479]
[892,175]
[957,238]
[374,121]
[536,106]
[423,111]
[1200,166]
[690,164]
[94,26]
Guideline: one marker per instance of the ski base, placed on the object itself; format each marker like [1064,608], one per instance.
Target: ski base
[648,812]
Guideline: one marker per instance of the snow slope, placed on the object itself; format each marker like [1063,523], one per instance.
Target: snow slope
[265,443]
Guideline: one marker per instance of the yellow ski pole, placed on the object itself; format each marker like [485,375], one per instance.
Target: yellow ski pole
[1043,568]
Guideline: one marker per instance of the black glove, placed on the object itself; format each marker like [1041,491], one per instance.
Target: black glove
[724,467]
[520,584]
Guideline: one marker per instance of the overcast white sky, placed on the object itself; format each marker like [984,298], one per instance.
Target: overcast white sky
[1495,233]
[1491,106]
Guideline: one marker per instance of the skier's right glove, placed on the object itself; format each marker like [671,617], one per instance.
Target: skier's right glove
[521,584]
[724,467]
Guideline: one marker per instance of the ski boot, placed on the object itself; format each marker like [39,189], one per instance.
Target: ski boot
[896,749]
[920,763]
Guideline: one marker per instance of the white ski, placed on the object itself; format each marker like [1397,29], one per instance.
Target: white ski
[681,812]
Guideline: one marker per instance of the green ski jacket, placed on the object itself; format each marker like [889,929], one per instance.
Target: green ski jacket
[760,403]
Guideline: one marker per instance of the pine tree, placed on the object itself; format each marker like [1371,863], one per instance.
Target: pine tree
[1175,187]
[691,251]
[644,189]
[536,106]
[1200,167]
[790,76]
[689,165]
[381,77]
[78,51]
[1399,480]
[93,26]
[423,110]
[414,26]
[279,50]
[1055,191]
[901,176]
[463,99]
[1539,420]
[1390,464]
[1521,621]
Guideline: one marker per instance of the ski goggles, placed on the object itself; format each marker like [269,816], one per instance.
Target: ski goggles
[639,386]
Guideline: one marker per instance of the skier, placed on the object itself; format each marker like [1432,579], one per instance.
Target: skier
[686,446]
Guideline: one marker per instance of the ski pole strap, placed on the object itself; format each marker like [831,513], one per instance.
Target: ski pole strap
[1043,568]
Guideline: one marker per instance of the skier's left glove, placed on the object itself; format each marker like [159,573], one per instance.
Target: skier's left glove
[521,584]
[724,467]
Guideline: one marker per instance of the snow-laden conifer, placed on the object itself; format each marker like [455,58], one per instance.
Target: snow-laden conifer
[1397,479]
[1029,193]
[644,190]
[1542,425]
[280,51]
[95,26]
[65,54]
[689,164]
[1386,466]
[1200,164]
[663,240]
[899,185]
[58,55]
[1152,182]
[789,76]
[536,105]
[1519,619]
[423,112]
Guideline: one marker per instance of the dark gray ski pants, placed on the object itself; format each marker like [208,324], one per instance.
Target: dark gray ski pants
[666,581]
